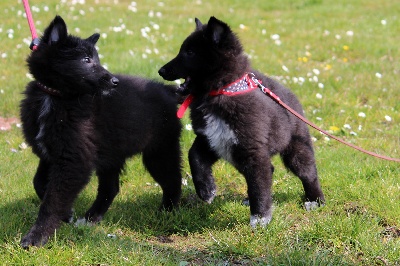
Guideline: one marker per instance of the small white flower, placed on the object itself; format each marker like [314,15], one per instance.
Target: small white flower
[242,27]
[3,55]
[361,114]
[359,127]
[353,133]
[156,27]
[151,13]
[278,42]
[104,35]
[347,126]
[159,14]
[388,118]
[314,139]
[319,118]
[275,37]
[383,22]
[320,85]
[189,127]
[338,37]
[316,71]
[23,146]
[349,33]
[285,68]
[184,182]
[319,96]
[263,31]
[378,75]
[327,139]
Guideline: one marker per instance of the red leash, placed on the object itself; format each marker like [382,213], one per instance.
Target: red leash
[35,39]
[279,101]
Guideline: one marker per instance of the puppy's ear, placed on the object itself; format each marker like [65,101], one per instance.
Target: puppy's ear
[56,32]
[94,38]
[217,30]
[199,25]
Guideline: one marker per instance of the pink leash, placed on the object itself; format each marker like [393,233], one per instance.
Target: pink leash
[35,40]
[279,101]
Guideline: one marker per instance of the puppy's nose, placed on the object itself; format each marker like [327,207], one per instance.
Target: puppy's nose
[114,81]
[161,72]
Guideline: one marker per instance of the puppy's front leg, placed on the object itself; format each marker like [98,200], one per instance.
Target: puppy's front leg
[62,188]
[257,169]
[201,159]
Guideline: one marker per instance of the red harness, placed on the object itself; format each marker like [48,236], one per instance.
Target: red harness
[242,85]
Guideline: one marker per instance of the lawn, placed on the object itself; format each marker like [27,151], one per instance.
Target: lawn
[341,58]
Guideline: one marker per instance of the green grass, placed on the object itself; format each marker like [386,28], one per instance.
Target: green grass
[359,224]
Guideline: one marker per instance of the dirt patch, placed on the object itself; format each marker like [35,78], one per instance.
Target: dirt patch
[6,123]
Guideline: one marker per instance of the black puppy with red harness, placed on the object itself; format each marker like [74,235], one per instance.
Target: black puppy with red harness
[235,121]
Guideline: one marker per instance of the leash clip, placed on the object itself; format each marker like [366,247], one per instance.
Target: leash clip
[256,81]
[34,44]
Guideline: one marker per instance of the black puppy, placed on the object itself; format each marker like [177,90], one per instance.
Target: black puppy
[235,121]
[78,118]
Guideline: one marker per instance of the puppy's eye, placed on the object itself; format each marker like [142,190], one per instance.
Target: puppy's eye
[87,60]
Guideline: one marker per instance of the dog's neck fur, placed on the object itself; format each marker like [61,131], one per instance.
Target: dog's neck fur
[224,76]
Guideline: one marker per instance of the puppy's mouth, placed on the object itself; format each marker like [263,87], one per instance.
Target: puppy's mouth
[183,88]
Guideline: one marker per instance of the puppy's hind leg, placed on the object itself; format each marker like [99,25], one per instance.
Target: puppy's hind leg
[201,159]
[164,164]
[298,157]
[107,189]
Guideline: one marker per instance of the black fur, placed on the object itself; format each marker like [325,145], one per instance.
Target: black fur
[247,129]
[92,120]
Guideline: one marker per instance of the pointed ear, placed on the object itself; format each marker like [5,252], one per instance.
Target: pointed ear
[217,30]
[199,25]
[56,32]
[94,38]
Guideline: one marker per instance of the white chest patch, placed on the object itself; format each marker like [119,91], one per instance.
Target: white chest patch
[220,136]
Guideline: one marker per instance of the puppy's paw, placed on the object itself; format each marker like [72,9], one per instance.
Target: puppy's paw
[207,195]
[257,220]
[246,202]
[34,238]
[312,205]
[69,219]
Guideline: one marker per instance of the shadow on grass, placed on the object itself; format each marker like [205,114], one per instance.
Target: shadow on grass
[130,221]
[142,214]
